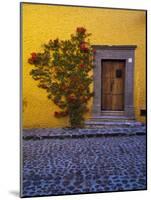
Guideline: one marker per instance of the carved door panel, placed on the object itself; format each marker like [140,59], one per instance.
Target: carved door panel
[112,85]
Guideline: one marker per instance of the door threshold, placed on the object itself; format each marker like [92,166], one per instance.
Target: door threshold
[113,113]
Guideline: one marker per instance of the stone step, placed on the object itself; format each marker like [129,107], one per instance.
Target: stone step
[115,113]
[111,118]
[108,124]
[62,133]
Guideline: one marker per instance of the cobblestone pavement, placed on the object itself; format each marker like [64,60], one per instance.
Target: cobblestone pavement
[69,166]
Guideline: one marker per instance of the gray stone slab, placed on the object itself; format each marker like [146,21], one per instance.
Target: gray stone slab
[68,132]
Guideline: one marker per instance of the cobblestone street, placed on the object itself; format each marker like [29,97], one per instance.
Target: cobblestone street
[82,165]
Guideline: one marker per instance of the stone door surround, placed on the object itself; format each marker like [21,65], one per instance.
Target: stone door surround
[115,52]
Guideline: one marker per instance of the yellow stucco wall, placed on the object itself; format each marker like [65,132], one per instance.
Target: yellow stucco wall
[40,23]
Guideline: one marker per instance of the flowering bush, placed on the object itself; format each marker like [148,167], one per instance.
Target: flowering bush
[63,71]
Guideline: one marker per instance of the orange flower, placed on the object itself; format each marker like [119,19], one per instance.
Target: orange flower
[94,51]
[82,65]
[56,114]
[81,30]
[34,55]
[84,46]
[71,98]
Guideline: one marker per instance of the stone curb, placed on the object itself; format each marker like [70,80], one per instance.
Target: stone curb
[62,133]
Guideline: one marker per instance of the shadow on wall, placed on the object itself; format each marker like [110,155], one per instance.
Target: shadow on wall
[24,104]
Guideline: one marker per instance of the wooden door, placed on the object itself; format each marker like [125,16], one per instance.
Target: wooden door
[112,87]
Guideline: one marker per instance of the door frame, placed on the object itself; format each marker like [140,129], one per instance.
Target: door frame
[115,52]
